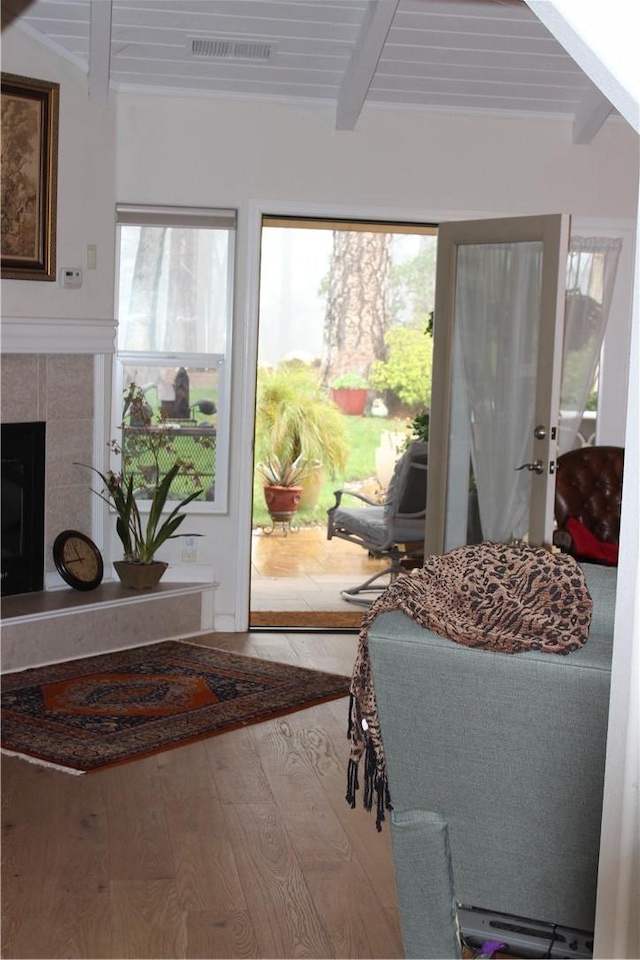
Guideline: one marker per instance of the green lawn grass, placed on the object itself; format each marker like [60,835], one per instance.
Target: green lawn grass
[363,435]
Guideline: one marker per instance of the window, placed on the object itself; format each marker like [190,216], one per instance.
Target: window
[174,303]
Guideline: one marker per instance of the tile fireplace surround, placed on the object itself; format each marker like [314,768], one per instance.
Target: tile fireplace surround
[50,369]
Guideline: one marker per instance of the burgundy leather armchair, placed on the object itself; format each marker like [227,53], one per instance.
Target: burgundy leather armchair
[587,502]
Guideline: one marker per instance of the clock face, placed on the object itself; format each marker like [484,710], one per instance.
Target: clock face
[78,560]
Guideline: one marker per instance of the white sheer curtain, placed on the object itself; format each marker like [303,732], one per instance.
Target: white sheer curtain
[591,273]
[497,312]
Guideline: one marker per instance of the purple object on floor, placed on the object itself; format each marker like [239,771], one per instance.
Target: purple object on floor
[489,947]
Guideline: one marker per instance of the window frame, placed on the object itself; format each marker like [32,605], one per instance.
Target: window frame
[195,217]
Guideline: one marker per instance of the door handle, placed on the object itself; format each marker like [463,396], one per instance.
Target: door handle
[536,467]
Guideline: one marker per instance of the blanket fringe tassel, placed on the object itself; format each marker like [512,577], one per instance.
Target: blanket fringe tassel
[374,783]
[352,783]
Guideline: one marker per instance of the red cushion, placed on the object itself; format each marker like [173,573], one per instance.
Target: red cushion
[588,546]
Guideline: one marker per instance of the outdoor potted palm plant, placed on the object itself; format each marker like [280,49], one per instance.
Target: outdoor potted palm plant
[142,536]
[297,423]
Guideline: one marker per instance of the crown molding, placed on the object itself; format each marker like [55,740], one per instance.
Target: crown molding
[57,335]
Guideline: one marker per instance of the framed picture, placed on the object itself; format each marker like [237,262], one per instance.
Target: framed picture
[29,178]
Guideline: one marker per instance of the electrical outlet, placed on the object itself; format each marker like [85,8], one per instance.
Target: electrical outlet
[189,550]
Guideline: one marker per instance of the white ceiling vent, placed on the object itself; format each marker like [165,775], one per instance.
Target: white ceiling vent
[209,48]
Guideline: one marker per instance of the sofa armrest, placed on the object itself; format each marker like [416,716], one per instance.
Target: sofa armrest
[509,749]
[424,883]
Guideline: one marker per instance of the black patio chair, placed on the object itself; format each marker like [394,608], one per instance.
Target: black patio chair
[393,530]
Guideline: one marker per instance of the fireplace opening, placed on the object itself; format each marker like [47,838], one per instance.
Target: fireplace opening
[23,474]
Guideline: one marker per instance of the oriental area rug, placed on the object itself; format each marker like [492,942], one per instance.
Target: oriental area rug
[87,714]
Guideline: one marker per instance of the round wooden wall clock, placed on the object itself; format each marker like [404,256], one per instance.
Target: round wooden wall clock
[78,560]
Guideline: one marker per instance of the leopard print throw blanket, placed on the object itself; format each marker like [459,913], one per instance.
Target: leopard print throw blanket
[493,596]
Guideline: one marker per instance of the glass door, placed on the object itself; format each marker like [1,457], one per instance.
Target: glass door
[500,292]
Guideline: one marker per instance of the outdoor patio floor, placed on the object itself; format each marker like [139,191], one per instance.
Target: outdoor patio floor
[300,572]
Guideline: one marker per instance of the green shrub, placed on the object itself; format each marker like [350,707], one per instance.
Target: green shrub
[407,371]
[349,381]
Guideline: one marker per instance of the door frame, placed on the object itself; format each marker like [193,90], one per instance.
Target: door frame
[248,242]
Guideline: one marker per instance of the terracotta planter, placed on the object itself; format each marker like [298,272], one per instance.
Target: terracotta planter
[350,400]
[282,502]
[140,576]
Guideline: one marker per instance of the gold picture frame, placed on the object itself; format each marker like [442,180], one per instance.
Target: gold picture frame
[29,178]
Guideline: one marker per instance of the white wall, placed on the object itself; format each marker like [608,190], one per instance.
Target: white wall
[86,190]
[405,164]
[203,150]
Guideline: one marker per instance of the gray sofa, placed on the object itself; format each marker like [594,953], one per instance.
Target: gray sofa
[495,765]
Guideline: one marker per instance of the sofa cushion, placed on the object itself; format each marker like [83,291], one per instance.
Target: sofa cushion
[365,522]
[601,584]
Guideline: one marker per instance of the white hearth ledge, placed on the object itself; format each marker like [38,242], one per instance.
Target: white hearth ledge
[57,335]
[56,625]
[64,602]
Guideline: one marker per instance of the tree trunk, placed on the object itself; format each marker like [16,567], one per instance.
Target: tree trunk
[144,288]
[357,304]
[182,311]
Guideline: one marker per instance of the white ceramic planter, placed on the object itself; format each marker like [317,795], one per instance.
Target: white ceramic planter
[387,455]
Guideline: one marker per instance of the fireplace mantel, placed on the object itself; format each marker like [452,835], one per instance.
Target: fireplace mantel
[64,335]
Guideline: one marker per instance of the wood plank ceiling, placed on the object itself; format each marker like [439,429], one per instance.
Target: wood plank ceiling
[463,55]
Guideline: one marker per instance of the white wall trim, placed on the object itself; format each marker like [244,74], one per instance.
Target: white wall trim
[249,234]
[57,335]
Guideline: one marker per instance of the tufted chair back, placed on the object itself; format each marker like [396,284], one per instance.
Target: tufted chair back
[589,489]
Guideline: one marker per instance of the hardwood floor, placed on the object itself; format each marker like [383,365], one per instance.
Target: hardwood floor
[241,845]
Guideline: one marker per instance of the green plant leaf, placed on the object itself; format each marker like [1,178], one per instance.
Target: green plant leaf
[295,416]
[139,541]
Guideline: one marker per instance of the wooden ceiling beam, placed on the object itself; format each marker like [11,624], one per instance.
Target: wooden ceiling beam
[590,116]
[100,51]
[364,60]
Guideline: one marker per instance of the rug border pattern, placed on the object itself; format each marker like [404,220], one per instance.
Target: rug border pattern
[23,737]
